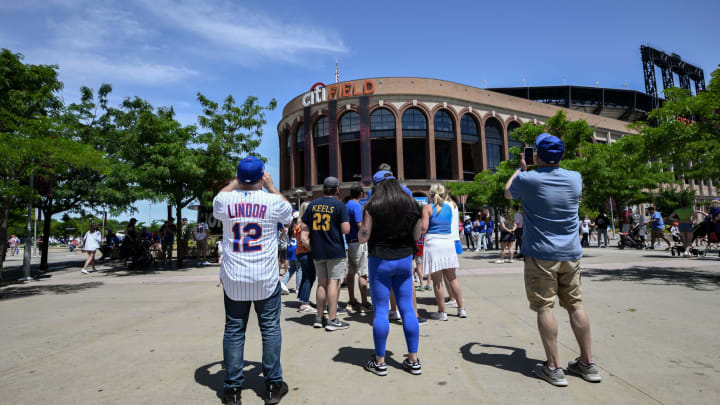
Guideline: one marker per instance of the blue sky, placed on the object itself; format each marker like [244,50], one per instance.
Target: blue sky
[167,51]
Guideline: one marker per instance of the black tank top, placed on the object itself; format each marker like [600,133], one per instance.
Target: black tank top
[391,237]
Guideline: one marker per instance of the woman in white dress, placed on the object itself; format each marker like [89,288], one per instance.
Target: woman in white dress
[439,255]
[91,243]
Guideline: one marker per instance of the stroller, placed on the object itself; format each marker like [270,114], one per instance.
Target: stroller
[631,239]
[137,254]
[707,231]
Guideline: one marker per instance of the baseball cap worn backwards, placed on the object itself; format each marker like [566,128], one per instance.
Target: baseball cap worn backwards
[250,170]
[330,182]
[382,175]
[549,148]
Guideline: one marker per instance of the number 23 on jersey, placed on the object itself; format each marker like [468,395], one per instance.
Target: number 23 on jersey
[321,222]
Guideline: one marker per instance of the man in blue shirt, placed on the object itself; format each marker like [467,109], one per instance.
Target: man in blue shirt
[357,253]
[324,222]
[657,228]
[550,197]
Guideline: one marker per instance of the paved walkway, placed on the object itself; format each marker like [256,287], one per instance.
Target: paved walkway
[155,338]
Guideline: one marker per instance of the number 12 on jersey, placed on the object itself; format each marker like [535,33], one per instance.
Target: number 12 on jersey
[250,233]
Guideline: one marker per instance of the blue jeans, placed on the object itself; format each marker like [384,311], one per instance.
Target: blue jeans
[308,277]
[293,267]
[236,318]
[395,274]
[603,233]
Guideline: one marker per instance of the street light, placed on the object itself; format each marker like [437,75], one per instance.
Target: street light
[298,192]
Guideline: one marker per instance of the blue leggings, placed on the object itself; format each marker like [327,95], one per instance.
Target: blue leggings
[395,274]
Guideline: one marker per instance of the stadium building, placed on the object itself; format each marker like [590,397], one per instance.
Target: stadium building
[429,130]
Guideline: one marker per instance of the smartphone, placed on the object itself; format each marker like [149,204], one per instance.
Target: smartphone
[529,156]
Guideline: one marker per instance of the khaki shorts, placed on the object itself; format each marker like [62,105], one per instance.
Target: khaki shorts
[357,259]
[333,269]
[658,233]
[546,279]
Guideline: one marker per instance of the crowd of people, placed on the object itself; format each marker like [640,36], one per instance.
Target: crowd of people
[384,246]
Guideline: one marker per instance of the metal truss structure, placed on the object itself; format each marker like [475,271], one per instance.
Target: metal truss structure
[668,65]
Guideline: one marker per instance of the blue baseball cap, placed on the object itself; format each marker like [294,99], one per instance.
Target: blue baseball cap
[382,175]
[549,148]
[250,170]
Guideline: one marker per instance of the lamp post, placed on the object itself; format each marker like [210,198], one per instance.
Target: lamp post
[298,192]
[27,253]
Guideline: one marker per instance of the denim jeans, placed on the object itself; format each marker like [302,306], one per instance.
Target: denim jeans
[236,318]
[308,277]
[293,268]
[603,233]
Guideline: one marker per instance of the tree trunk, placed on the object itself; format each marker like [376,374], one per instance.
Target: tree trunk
[3,233]
[180,237]
[47,212]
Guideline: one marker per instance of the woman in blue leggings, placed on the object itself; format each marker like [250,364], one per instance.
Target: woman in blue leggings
[391,226]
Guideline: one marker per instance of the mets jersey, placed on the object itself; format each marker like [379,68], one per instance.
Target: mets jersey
[249,270]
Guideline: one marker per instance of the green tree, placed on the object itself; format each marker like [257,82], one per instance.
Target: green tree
[30,132]
[685,131]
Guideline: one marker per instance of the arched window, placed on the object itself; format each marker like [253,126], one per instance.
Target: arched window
[414,124]
[493,143]
[299,138]
[382,124]
[512,142]
[349,127]
[320,135]
[443,125]
[468,129]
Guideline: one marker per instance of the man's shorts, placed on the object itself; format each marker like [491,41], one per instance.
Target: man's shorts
[658,233]
[546,279]
[357,259]
[333,269]
[282,254]
[418,259]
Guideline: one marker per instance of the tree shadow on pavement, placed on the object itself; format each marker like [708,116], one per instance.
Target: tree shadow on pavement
[214,381]
[359,357]
[691,278]
[517,361]
[30,290]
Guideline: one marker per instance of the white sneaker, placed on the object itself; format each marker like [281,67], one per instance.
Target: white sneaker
[451,304]
[462,313]
[83,271]
[284,289]
[508,261]
[439,316]
[499,261]
[394,316]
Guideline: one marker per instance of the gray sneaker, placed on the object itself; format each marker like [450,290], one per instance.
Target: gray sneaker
[589,372]
[319,322]
[555,377]
[336,324]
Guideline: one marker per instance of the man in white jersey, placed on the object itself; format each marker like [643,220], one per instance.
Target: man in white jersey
[249,273]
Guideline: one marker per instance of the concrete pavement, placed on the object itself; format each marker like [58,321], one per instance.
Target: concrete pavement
[155,337]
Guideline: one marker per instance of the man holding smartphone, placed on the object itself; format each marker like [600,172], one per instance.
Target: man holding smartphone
[550,197]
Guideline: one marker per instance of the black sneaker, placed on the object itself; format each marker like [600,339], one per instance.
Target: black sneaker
[319,322]
[422,321]
[231,396]
[376,368]
[275,392]
[336,324]
[412,367]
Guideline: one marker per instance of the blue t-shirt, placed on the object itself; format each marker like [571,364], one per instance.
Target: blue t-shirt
[550,198]
[659,224]
[467,227]
[292,249]
[355,214]
[489,226]
[323,217]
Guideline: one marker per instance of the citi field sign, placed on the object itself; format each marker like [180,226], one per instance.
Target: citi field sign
[320,93]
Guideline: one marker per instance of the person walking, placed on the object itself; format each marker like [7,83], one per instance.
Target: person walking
[91,242]
[307,265]
[657,228]
[13,244]
[357,253]
[324,222]
[439,255]
[391,225]
[293,265]
[478,231]
[507,236]
[602,222]
[468,231]
[585,231]
[249,274]
[550,198]
[683,216]
[200,236]
[167,236]
[518,218]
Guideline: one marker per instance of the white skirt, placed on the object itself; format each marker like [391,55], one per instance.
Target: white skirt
[439,253]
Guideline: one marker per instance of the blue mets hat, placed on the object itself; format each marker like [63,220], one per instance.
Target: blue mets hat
[382,175]
[250,170]
[549,148]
